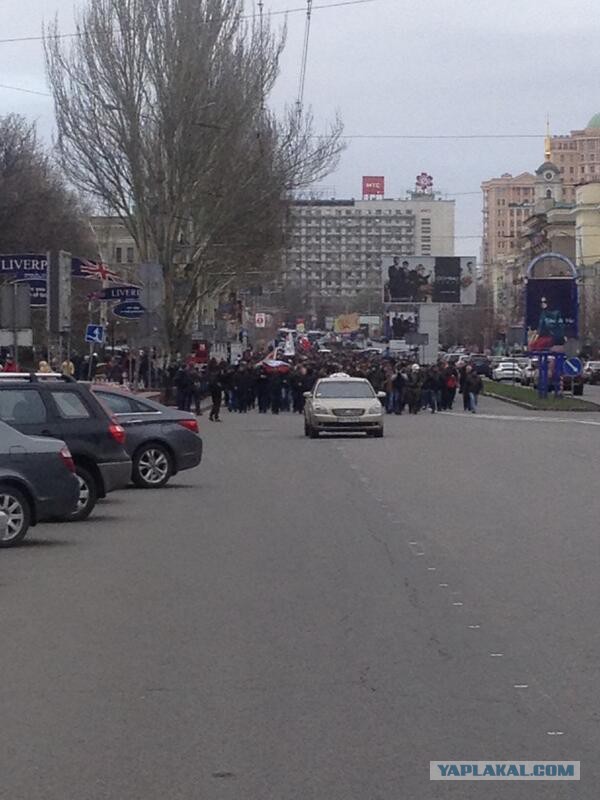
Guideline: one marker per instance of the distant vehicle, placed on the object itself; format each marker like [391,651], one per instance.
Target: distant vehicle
[591,372]
[507,371]
[37,482]
[528,372]
[481,364]
[341,403]
[161,441]
[48,404]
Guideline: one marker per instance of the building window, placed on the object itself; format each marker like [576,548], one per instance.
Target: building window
[130,255]
[119,255]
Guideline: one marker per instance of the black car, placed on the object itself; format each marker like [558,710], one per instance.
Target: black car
[160,440]
[481,364]
[58,406]
[37,482]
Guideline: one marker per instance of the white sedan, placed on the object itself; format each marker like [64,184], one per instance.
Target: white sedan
[507,371]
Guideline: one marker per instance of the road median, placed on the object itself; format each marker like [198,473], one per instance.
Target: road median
[526,397]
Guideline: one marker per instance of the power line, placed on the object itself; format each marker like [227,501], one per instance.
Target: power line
[21,89]
[282,12]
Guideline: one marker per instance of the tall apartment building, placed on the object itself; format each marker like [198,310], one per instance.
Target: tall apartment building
[507,202]
[577,156]
[335,247]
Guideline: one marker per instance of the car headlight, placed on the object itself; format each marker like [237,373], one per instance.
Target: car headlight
[321,409]
[375,409]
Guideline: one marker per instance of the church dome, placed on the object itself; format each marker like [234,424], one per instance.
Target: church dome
[594,122]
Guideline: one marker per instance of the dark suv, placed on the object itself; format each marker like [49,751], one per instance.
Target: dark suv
[55,405]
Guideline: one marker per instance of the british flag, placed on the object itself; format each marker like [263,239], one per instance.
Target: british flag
[82,268]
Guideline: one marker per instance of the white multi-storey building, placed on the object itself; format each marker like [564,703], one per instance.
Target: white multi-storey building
[336,247]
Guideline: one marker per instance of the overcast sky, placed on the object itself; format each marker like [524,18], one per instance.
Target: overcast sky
[399,67]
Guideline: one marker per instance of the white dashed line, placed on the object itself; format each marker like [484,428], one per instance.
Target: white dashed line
[555,733]
[473,627]
[443,585]
[508,418]
[431,569]
[496,655]
[521,686]
[457,604]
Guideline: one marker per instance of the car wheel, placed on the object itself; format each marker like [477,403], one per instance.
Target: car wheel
[88,494]
[151,467]
[313,433]
[377,434]
[18,510]
[306,429]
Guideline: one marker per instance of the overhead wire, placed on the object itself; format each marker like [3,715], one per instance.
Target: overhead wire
[281,12]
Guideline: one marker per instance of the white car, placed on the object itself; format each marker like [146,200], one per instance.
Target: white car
[507,371]
[341,403]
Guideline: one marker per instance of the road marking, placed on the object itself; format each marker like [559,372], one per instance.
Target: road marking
[508,418]
[413,543]
[496,655]
[431,569]
[473,627]
[457,604]
[555,733]
[521,686]
[443,585]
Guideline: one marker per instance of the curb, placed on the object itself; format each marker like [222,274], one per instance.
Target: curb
[530,407]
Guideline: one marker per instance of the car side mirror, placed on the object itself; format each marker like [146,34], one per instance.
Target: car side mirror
[381,395]
[307,394]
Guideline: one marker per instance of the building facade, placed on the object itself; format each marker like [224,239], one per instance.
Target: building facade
[335,247]
[507,202]
[577,156]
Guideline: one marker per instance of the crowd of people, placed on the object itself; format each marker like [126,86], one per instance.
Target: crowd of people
[254,383]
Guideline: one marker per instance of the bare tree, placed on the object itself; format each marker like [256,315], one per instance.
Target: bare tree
[162,117]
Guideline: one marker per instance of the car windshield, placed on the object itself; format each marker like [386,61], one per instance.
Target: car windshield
[345,389]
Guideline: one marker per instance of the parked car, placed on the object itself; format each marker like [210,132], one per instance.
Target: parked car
[507,371]
[481,364]
[37,482]
[591,372]
[160,440]
[47,404]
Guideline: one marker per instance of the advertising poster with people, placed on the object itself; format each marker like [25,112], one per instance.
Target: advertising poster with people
[429,279]
[551,313]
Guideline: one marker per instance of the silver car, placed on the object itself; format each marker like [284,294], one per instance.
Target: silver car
[340,403]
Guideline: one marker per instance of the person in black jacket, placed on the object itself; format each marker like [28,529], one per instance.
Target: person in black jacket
[215,388]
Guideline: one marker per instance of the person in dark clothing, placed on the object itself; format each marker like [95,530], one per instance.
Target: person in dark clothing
[450,384]
[275,393]
[263,391]
[183,388]
[472,389]
[413,389]
[197,391]
[215,388]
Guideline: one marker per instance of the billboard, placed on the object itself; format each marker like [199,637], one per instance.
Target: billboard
[373,185]
[429,279]
[346,323]
[551,313]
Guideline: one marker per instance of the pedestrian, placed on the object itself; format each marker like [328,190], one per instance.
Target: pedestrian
[413,389]
[473,388]
[215,388]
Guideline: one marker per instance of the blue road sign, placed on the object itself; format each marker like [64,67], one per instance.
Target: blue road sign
[94,334]
[573,366]
[130,309]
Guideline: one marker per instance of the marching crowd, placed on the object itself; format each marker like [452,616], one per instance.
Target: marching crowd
[254,383]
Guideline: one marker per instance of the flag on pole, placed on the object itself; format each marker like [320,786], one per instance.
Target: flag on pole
[82,268]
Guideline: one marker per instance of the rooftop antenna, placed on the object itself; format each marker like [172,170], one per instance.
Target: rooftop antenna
[548,140]
[300,100]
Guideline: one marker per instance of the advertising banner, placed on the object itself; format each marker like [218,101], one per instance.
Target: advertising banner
[346,323]
[551,313]
[429,279]
[373,185]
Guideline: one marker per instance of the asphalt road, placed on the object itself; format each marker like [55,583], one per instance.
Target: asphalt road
[315,620]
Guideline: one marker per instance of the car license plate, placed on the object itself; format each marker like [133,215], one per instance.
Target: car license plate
[350,419]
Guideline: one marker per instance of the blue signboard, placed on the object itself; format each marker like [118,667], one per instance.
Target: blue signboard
[130,309]
[94,334]
[126,292]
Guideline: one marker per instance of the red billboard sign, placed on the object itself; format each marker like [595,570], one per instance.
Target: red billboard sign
[373,185]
